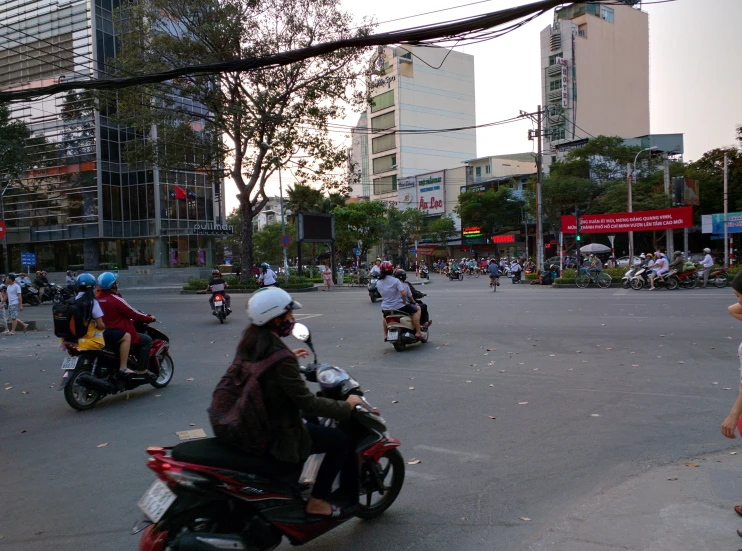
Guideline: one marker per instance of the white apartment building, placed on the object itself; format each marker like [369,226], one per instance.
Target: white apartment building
[513,170]
[595,73]
[420,89]
[270,213]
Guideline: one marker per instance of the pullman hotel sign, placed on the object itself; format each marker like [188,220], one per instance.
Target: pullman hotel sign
[208,228]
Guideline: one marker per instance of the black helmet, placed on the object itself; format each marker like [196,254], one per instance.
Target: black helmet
[400,274]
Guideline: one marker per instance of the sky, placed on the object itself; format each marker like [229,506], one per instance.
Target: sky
[695,71]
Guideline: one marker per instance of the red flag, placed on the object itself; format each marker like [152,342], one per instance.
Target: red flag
[180,193]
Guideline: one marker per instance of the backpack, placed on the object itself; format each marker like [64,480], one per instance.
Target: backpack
[69,320]
[237,413]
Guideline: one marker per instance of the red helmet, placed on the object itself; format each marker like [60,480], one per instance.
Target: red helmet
[387,267]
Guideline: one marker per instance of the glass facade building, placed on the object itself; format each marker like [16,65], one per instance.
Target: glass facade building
[80,205]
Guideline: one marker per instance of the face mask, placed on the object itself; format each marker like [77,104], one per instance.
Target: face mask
[285,327]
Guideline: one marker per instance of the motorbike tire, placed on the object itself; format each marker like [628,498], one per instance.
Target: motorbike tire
[637,284]
[625,283]
[166,375]
[220,315]
[673,283]
[721,281]
[396,465]
[77,396]
[34,300]
[57,298]
[689,282]
[373,298]
[398,346]
[461,277]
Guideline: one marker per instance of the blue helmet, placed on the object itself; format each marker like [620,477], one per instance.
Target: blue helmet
[85,281]
[265,265]
[107,280]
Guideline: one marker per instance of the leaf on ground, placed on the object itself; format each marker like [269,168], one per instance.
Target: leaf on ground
[412,378]
[190,379]
[395,401]
[492,417]
[681,362]
[662,335]
[714,383]
[468,381]
[102,445]
[730,338]
[192,424]
[552,355]
[502,371]
[689,464]
[521,363]
[578,351]
[732,453]
[526,519]
[491,349]
[492,385]
[673,478]
[634,365]
[571,369]
[414,461]
[8,388]
[437,347]
[486,354]
[412,388]
[24,392]
[725,388]
[595,415]
[602,324]
[522,403]
[609,348]
[158,395]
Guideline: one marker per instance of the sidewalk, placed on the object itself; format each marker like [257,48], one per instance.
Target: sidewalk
[672,508]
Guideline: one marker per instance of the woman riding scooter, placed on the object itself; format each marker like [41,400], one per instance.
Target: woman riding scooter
[414,297]
[394,297]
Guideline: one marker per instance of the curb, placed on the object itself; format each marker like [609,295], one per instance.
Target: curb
[249,291]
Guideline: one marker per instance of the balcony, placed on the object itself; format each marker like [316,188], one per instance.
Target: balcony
[555,42]
[554,70]
[555,95]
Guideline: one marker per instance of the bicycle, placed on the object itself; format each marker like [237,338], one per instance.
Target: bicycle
[602,280]
[473,272]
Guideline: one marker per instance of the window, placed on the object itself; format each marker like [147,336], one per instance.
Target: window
[383,143]
[607,14]
[383,164]
[553,58]
[382,101]
[478,171]
[383,122]
[555,85]
[592,9]
[487,169]
[383,185]
[582,31]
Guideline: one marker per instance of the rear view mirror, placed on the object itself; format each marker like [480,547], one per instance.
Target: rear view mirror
[301,332]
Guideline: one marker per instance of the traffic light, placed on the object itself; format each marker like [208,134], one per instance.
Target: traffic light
[578,228]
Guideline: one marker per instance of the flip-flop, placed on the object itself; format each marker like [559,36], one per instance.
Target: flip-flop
[337,512]
[738,509]
[739,533]
[127,372]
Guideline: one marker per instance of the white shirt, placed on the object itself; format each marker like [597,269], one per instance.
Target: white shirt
[268,278]
[661,266]
[97,310]
[375,271]
[24,281]
[13,290]
[708,262]
[390,289]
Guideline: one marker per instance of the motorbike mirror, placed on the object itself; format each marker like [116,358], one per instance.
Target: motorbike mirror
[301,333]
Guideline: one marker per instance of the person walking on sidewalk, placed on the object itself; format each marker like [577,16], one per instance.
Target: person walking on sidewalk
[15,305]
[327,278]
[707,264]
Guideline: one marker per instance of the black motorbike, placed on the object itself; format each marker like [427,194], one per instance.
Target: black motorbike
[90,375]
[424,274]
[45,292]
[373,293]
[30,295]
[455,276]
[59,294]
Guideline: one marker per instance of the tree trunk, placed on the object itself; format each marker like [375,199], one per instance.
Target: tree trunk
[403,253]
[246,235]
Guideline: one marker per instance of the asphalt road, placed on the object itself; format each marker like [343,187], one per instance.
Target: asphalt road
[588,388]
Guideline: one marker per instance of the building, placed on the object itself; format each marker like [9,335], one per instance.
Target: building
[416,89]
[81,205]
[514,170]
[595,73]
[269,214]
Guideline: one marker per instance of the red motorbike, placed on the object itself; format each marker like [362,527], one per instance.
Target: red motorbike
[688,279]
[209,496]
[90,375]
[220,308]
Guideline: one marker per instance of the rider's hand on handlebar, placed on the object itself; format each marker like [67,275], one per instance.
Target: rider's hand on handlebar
[354,401]
[300,352]
[154,319]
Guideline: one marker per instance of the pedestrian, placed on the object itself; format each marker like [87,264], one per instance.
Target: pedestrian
[707,264]
[732,421]
[15,305]
[327,277]
[3,305]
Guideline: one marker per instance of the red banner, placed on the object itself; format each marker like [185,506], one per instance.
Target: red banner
[646,220]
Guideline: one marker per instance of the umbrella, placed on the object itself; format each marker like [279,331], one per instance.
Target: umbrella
[595,248]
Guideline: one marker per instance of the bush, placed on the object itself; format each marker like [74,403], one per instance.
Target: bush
[531,277]
[233,282]
[196,284]
[565,280]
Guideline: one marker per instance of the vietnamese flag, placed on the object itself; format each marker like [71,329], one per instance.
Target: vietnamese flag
[180,193]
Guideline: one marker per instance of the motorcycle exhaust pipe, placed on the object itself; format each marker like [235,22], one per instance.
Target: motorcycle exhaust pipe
[90,382]
[210,542]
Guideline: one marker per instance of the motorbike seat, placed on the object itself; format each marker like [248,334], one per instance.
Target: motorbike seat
[213,453]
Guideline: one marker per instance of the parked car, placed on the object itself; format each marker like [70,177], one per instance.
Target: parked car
[623,261]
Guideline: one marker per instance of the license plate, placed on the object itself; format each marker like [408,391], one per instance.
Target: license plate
[218,303]
[392,335]
[156,501]
[70,363]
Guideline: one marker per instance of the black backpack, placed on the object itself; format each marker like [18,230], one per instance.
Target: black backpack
[69,320]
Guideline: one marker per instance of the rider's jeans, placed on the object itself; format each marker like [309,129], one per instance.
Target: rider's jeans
[339,457]
[142,348]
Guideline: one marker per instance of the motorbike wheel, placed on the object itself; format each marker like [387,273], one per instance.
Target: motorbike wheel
[167,370]
[461,277]
[57,298]
[373,298]
[390,469]
[720,281]
[673,283]
[398,346]
[79,397]
[220,315]
[637,284]
[34,300]
[625,283]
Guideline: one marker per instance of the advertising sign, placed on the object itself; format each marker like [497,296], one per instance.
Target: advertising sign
[714,223]
[431,193]
[687,191]
[647,220]
[474,231]
[407,193]
[503,239]
[208,228]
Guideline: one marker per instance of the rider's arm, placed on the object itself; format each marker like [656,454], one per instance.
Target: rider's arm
[736,310]
[290,380]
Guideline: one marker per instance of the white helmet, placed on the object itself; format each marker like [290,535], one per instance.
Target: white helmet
[269,303]
[707,250]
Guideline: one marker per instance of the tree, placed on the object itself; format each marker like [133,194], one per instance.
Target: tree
[273,117]
[492,210]
[404,227]
[709,171]
[303,199]
[268,247]
[444,228]
[359,222]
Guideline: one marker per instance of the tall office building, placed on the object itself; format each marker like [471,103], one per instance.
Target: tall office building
[81,205]
[595,73]
[417,89]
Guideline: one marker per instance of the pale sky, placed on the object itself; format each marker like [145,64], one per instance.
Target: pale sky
[695,67]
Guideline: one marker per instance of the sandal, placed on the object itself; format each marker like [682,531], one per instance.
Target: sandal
[337,512]
[738,509]
[127,372]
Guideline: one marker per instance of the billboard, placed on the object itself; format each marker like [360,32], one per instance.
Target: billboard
[714,223]
[407,193]
[313,227]
[431,193]
[647,220]
[687,191]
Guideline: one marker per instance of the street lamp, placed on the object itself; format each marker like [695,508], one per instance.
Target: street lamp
[630,201]
[266,146]
[525,222]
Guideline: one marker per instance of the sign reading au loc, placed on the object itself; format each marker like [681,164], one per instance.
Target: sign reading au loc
[431,193]
[647,220]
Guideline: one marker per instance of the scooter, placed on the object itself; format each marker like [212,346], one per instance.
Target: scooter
[373,293]
[30,295]
[455,276]
[208,496]
[90,375]
[424,274]
[669,280]
[59,294]
[220,308]
[626,279]
[401,330]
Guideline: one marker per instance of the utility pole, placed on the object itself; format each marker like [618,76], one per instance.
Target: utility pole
[538,135]
[6,261]
[726,210]
[629,181]
[669,234]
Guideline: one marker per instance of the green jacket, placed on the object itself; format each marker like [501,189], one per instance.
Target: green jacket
[286,397]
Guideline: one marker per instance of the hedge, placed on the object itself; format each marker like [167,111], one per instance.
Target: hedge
[233,282]
[531,277]
[565,281]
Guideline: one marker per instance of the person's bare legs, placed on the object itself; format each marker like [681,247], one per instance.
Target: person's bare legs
[416,322]
[651,281]
[124,349]
[318,507]
[383,321]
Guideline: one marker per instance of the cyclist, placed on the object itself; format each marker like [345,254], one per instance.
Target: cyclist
[494,270]
[596,266]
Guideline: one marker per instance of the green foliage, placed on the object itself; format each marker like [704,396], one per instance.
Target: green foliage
[709,171]
[565,281]
[443,228]
[13,151]
[531,277]
[268,246]
[356,222]
[491,210]
[233,282]
[403,228]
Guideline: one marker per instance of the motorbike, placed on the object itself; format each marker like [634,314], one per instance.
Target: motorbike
[59,294]
[718,276]
[209,496]
[669,280]
[516,276]
[45,293]
[30,295]
[373,293]
[401,330]
[455,276]
[90,375]
[628,276]
[424,274]
[688,279]
[220,307]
